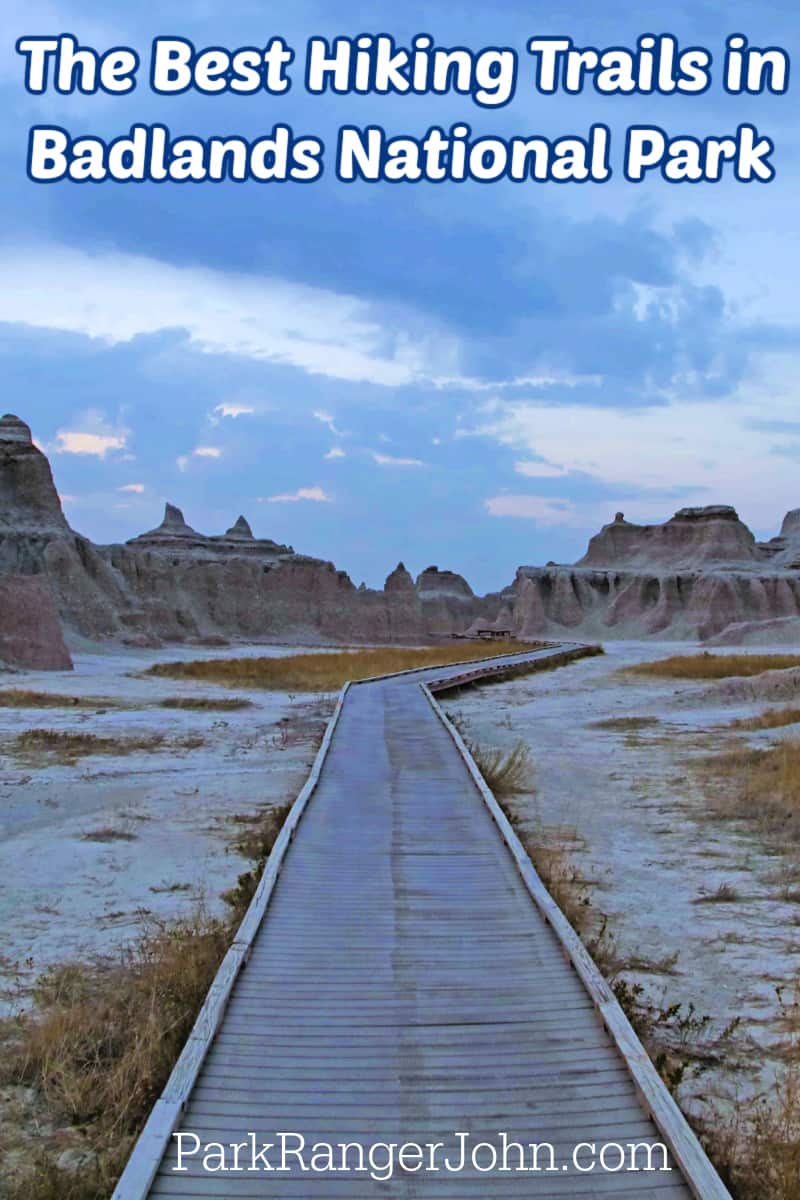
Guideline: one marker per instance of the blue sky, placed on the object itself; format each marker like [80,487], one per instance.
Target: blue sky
[473,376]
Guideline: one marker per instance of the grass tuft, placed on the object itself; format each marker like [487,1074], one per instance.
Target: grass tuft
[22,698]
[506,771]
[206,703]
[713,666]
[626,724]
[771,718]
[255,841]
[109,833]
[68,746]
[726,893]
[758,784]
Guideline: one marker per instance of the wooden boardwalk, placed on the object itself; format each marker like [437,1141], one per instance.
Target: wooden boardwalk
[410,981]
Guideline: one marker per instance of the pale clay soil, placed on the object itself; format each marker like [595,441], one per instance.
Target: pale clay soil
[63,896]
[636,821]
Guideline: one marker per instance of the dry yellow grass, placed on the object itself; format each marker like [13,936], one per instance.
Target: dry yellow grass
[714,666]
[67,745]
[205,703]
[771,718]
[101,1042]
[329,672]
[506,772]
[23,698]
[102,1039]
[626,724]
[758,784]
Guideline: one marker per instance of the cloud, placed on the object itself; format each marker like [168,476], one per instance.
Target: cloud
[539,470]
[552,379]
[336,452]
[388,460]
[234,410]
[116,297]
[75,442]
[543,510]
[183,460]
[635,459]
[91,434]
[308,493]
[326,418]
[138,488]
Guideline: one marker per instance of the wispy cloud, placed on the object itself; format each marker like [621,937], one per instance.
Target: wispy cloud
[231,409]
[183,460]
[539,470]
[92,435]
[547,379]
[336,452]
[707,448]
[75,442]
[388,460]
[138,488]
[543,510]
[308,493]
[326,418]
[117,297]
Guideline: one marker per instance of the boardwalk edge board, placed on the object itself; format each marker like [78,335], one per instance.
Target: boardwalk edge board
[698,1170]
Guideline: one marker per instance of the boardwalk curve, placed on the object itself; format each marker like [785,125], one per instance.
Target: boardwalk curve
[402,976]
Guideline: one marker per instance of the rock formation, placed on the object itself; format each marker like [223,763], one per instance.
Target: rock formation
[175,583]
[30,631]
[173,536]
[692,537]
[701,574]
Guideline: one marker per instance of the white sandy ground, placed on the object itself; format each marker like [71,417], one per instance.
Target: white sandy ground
[636,822]
[64,897]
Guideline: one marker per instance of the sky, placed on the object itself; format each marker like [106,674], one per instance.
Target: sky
[471,375]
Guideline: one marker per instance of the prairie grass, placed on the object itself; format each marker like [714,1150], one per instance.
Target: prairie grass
[713,666]
[109,833]
[102,1038]
[206,703]
[23,698]
[757,1149]
[506,771]
[68,745]
[726,893]
[101,1042]
[771,718]
[328,672]
[626,724]
[757,784]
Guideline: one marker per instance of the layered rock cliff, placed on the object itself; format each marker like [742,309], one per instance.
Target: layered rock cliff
[175,583]
[695,576]
[701,574]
